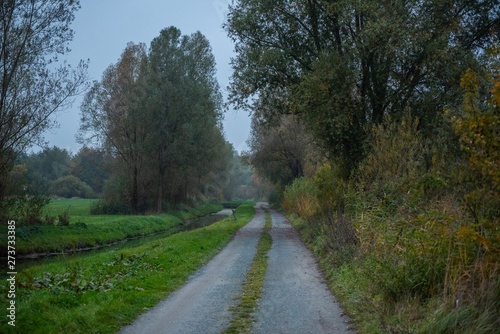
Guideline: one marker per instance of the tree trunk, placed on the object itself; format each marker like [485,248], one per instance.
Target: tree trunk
[135,191]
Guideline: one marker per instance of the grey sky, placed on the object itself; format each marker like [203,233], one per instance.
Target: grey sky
[104,27]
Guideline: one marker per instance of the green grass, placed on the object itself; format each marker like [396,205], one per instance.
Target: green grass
[75,207]
[90,231]
[252,288]
[101,293]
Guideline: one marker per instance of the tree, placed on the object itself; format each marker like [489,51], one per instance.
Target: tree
[280,153]
[32,88]
[111,114]
[343,65]
[92,166]
[158,112]
[71,186]
[185,106]
[45,167]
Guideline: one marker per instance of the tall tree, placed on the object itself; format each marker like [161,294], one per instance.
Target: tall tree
[112,115]
[158,111]
[45,167]
[280,153]
[32,88]
[184,104]
[91,165]
[343,65]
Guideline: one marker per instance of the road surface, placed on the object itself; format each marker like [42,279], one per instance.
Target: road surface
[295,298]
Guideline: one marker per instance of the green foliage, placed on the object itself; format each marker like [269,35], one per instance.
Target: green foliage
[300,198]
[63,218]
[101,207]
[395,157]
[158,112]
[102,277]
[71,186]
[92,167]
[280,153]
[26,210]
[343,66]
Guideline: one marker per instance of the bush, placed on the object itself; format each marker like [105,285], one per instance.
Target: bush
[26,209]
[300,198]
[63,219]
[71,186]
[103,207]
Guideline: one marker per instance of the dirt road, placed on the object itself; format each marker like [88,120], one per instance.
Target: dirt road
[294,300]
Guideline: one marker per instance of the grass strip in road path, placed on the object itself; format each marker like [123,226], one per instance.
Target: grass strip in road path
[252,287]
[100,293]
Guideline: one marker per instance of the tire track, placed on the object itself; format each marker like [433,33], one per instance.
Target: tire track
[295,297]
[202,305]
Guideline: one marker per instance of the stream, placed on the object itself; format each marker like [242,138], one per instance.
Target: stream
[28,260]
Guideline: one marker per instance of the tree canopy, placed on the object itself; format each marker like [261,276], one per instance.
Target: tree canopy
[158,111]
[343,65]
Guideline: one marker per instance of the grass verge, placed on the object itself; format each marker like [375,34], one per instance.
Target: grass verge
[100,293]
[252,288]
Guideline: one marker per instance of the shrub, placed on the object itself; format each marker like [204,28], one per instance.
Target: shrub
[300,198]
[63,218]
[26,209]
[71,186]
[103,207]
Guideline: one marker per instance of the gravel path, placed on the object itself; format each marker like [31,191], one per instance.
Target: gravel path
[202,304]
[295,298]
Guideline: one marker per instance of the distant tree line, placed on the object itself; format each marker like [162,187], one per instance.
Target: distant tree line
[55,172]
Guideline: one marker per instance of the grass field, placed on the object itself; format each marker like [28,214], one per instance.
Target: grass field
[100,293]
[75,207]
[86,231]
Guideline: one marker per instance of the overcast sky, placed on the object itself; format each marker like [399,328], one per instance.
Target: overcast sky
[104,27]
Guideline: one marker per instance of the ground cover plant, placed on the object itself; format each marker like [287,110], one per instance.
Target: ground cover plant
[102,292]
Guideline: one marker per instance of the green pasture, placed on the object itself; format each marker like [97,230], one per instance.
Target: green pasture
[74,207]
